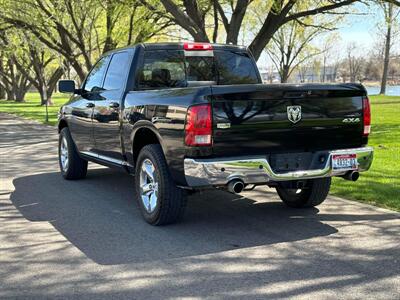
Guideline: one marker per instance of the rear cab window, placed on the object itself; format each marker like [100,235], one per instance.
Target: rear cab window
[162,69]
[179,68]
[235,68]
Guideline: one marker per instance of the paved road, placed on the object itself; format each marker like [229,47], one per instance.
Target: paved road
[86,239]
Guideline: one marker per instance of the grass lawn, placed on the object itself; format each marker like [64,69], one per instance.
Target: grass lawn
[32,109]
[379,186]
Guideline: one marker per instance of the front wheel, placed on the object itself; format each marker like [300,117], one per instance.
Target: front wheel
[160,200]
[314,193]
[72,166]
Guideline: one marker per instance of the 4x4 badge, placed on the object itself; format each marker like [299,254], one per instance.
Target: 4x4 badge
[294,113]
[223,125]
[351,120]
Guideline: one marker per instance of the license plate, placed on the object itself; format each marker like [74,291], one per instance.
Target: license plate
[344,162]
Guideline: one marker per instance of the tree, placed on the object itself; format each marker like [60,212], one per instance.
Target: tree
[44,72]
[390,14]
[291,46]
[191,15]
[62,26]
[395,2]
[14,84]
[330,57]
[33,62]
[81,31]
[354,63]
[143,23]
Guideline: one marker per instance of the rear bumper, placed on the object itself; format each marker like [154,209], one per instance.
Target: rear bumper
[251,170]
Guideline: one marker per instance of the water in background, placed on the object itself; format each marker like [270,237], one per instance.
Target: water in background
[393,90]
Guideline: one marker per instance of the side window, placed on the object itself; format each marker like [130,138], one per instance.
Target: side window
[116,73]
[162,69]
[95,77]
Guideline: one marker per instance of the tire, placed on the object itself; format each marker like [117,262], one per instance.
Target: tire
[161,202]
[75,167]
[313,194]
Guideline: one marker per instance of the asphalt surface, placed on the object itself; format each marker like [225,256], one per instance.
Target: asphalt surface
[86,239]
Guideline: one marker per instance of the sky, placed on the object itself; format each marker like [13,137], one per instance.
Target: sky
[356,28]
[361,29]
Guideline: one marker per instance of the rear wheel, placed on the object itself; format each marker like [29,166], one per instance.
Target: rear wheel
[314,193]
[72,166]
[160,200]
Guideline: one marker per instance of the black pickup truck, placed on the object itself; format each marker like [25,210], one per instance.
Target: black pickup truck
[187,116]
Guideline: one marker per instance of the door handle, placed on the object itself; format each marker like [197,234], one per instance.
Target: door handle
[90,105]
[114,105]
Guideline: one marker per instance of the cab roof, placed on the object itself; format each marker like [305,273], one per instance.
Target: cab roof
[178,46]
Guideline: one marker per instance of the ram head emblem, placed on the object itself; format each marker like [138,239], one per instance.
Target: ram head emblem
[294,113]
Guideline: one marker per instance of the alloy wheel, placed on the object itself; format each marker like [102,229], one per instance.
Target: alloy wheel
[148,186]
[64,154]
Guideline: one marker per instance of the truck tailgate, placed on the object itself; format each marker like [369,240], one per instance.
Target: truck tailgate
[260,119]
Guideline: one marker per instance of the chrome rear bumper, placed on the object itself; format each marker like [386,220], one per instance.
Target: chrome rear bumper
[206,172]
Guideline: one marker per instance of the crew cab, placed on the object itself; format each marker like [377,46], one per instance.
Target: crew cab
[189,116]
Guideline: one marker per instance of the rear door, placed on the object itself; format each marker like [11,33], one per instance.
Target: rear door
[106,115]
[261,119]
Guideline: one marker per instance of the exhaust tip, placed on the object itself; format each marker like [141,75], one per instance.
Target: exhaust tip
[355,176]
[235,186]
[352,176]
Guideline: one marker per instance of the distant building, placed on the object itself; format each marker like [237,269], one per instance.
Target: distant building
[269,76]
[307,74]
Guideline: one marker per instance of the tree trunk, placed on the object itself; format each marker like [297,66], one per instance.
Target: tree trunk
[2,93]
[46,95]
[20,96]
[324,70]
[43,98]
[10,94]
[216,21]
[17,93]
[236,21]
[42,92]
[284,74]
[130,31]
[2,86]
[387,49]
[79,70]
[109,42]
[22,85]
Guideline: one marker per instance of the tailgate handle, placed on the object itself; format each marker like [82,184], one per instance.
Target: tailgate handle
[291,95]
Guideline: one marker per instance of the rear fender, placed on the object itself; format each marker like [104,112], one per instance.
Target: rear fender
[137,127]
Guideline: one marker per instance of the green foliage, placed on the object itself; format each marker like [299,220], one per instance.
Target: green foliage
[81,30]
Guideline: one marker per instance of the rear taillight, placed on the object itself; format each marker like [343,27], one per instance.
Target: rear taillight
[366,116]
[197,46]
[198,129]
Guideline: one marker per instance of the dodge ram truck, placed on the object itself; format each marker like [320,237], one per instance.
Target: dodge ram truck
[187,116]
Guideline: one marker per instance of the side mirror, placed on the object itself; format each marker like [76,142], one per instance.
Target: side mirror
[66,86]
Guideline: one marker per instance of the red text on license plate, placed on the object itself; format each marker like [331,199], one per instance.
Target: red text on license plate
[344,162]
